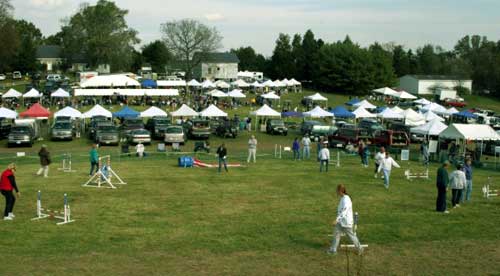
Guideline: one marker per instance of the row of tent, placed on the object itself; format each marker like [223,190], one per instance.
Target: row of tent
[33,93]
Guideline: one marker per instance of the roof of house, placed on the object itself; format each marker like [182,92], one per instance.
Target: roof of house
[225,57]
[48,51]
[437,77]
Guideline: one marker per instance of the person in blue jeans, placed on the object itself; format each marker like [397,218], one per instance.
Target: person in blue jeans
[222,154]
[94,160]
[468,181]
[296,149]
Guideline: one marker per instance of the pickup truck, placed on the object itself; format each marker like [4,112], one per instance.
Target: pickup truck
[348,135]
[197,128]
[390,139]
[276,127]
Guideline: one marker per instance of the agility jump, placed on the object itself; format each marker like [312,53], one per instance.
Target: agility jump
[66,163]
[487,192]
[104,176]
[42,213]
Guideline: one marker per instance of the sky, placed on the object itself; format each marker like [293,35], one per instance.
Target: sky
[257,23]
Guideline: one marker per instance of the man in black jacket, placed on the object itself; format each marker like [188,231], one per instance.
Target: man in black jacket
[442,186]
[222,153]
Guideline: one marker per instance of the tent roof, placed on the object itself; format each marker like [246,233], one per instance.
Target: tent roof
[389,114]
[452,111]
[278,83]
[430,116]
[405,96]
[149,83]
[162,92]
[171,83]
[213,111]
[422,101]
[217,93]
[412,115]
[7,113]
[130,92]
[152,112]
[110,81]
[271,96]
[266,111]
[465,114]
[473,132]
[126,112]
[342,112]
[36,111]
[208,84]
[256,84]
[193,83]
[60,93]
[222,84]
[397,109]
[12,93]
[318,112]
[97,110]
[33,93]
[434,127]
[386,91]
[93,92]
[317,97]
[434,107]
[240,83]
[365,104]
[268,83]
[353,101]
[236,93]
[360,112]
[184,111]
[295,82]
[68,111]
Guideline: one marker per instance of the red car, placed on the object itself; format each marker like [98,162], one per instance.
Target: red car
[455,103]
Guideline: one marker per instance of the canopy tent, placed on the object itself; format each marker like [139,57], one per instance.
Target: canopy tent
[152,112]
[342,112]
[33,93]
[213,111]
[207,84]
[60,93]
[452,111]
[217,94]
[295,82]
[286,82]
[222,84]
[236,93]
[360,112]
[413,118]
[434,107]
[403,95]
[432,128]
[256,84]
[36,111]
[240,83]
[12,93]
[422,101]
[130,92]
[317,97]
[278,83]
[171,83]
[184,111]
[386,91]
[431,116]
[193,83]
[126,112]
[7,113]
[110,81]
[271,96]
[269,83]
[364,104]
[97,110]
[161,92]
[474,132]
[397,109]
[68,111]
[353,102]
[318,112]
[389,114]
[93,92]
[149,83]
[465,114]
[265,111]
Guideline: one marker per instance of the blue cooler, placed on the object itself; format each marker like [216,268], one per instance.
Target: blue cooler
[186,161]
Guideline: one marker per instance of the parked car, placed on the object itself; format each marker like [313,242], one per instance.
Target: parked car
[320,132]
[24,132]
[415,138]
[307,126]
[175,134]
[61,131]
[16,75]
[107,134]
[131,124]
[345,136]
[94,121]
[276,127]
[455,103]
[227,128]
[5,125]
[138,135]
[197,128]
[2,77]
[390,139]
[371,125]
[54,77]
[157,126]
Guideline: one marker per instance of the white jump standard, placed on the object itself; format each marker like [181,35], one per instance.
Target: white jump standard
[66,163]
[64,215]
[104,175]
[487,192]
[411,175]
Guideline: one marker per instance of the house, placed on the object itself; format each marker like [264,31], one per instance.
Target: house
[217,66]
[50,56]
[429,84]
[250,76]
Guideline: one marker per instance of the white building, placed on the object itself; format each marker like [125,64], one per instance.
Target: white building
[217,66]
[250,76]
[428,84]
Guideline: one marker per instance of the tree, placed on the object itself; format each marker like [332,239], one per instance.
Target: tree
[282,61]
[400,61]
[187,37]
[310,49]
[100,33]
[30,38]
[428,60]
[8,36]
[298,56]
[382,70]
[156,54]
[250,60]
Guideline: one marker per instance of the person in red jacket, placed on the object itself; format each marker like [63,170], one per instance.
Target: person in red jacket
[7,184]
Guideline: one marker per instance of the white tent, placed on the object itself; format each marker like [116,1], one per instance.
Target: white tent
[171,83]
[7,113]
[474,132]
[236,93]
[386,91]
[194,83]
[184,111]
[130,92]
[413,118]
[452,111]
[434,107]
[265,111]
[397,109]
[68,111]
[12,93]
[152,112]
[257,84]
[389,114]
[110,81]
[207,84]
[97,110]
[217,93]
[269,83]
[222,84]
[33,93]
[431,116]
[405,96]
[240,83]
[60,93]
[94,92]
[295,82]
[213,111]
[360,112]
[364,104]
[278,83]
[161,92]
[431,128]
[318,112]
[317,97]
[422,101]
[271,96]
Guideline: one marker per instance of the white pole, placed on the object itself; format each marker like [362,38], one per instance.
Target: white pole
[338,158]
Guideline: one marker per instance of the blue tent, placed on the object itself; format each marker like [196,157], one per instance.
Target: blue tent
[353,102]
[292,114]
[342,112]
[148,83]
[126,112]
[465,114]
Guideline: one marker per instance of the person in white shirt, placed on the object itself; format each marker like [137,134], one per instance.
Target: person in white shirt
[344,222]
[252,148]
[306,147]
[324,157]
[378,159]
[386,167]
[139,148]
[457,184]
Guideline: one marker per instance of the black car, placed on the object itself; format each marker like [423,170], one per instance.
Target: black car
[157,126]
[94,121]
[275,127]
[132,124]
[5,125]
[370,125]
[227,128]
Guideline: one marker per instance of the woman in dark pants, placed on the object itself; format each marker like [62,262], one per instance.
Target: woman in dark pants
[442,186]
[7,184]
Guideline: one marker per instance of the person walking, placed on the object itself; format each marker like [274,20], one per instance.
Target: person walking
[457,184]
[324,157]
[7,185]
[296,149]
[363,153]
[44,161]
[344,222]
[468,181]
[222,154]
[252,149]
[424,148]
[379,156]
[306,147]
[249,124]
[94,159]
[442,187]
[386,167]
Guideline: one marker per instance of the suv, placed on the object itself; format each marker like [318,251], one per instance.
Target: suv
[131,124]
[345,136]
[370,125]
[276,127]
[138,135]
[106,133]
[198,128]
[227,128]
[307,126]
[16,75]
[157,126]
[21,135]
[61,131]
[94,121]
[174,134]
[5,126]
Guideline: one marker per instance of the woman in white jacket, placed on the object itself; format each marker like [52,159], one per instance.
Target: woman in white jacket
[386,166]
[457,184]
[344,222]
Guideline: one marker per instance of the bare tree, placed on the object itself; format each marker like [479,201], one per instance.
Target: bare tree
[189,40]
